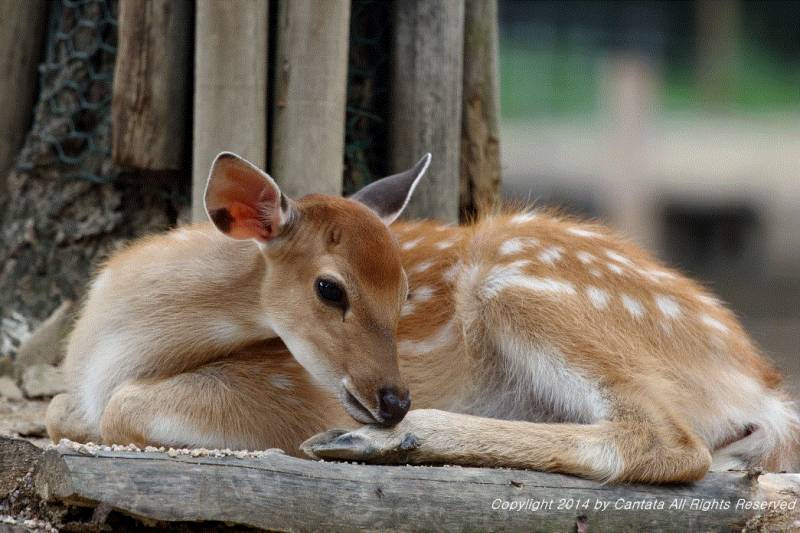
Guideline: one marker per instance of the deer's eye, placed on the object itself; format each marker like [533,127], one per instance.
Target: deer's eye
[331,293]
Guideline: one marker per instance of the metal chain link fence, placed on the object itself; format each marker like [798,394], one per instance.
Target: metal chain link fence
[73,114]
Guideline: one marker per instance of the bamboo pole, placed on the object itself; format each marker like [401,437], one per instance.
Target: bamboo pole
[310,96]
[230,86]
[480,128]
[427,57]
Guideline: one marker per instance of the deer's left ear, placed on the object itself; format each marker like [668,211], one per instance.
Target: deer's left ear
[389,196]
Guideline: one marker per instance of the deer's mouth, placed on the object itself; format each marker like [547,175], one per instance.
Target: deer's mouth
[356,408]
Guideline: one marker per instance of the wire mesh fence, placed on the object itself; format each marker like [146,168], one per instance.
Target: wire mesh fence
[367,94]
[72,124]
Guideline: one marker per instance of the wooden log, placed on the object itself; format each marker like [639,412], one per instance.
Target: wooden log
[17,458]
[480,121]
[150,96]
[230,86]
[427,53]
[310,96]
[281,493]
[22,27]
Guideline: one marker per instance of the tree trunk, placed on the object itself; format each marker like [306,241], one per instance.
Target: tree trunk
[480,128]
[151,92]
[58,220]
[427,55]
[310,96]
[230,86]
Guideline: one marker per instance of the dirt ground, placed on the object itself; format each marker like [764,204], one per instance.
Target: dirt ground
[25,419]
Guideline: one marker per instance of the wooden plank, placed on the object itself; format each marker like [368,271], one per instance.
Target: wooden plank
[230,86]
[480,121]
[310,96]
[22,27]
[283,493]
[151,76]
[427,54]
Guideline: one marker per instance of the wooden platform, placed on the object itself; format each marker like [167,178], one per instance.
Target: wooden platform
[276,492]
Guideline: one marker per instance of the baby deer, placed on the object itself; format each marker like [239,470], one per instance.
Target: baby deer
[527,340]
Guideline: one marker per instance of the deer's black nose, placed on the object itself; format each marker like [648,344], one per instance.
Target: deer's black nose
[393,405]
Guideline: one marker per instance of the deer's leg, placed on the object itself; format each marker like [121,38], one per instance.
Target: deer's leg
[633,447]
[64,420]
[266,401]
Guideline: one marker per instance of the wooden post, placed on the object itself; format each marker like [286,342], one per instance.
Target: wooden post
[310,96]
[480,128]
[230,91]
[427,57]
[22,26]
[151,93]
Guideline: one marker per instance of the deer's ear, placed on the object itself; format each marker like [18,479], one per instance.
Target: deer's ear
[242,201]
[389,196]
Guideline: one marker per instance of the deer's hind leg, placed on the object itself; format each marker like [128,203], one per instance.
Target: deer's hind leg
[251,400]
[64,420]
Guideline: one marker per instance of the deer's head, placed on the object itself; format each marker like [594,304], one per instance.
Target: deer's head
[333,285]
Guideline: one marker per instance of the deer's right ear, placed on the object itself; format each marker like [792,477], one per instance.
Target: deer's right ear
[389,196]
[242,201]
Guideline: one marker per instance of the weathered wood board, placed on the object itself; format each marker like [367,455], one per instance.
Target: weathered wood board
[151,84]
[282,493]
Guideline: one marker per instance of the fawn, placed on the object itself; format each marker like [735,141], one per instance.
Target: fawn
[527,340]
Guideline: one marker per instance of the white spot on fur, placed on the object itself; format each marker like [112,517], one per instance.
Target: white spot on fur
[633,306]
[668,306]
[422,267]
[598,297]
[708,300]
[500,278]
[615,268]
[443,245]
[596,273]
[714,323]
[441,339]
[621,259]
[421,294]
[408,309]
[280,381]
[523,218]
[411,244]
[515,246]
[580,232]
[180,235]
[551,255]
[585,257]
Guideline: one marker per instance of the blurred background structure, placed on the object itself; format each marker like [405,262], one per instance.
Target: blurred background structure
[676,122]
[679,124]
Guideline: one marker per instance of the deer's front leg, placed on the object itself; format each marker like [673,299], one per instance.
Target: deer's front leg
[622,450]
